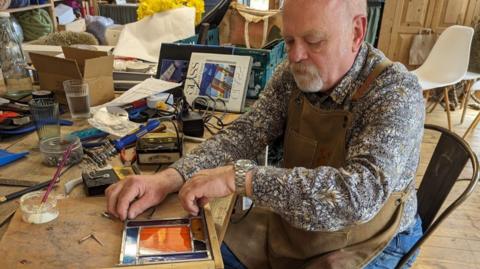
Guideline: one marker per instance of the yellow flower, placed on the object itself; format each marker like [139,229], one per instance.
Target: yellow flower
[150,7]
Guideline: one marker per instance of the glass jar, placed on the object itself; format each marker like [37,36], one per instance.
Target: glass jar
[12,60]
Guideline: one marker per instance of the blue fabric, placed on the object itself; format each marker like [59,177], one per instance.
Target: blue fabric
[230,261]
[398,247]
[387,259]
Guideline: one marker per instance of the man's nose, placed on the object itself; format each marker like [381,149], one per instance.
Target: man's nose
[297,53]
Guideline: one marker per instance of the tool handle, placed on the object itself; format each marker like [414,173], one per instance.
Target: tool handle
[17,194]
[132,138]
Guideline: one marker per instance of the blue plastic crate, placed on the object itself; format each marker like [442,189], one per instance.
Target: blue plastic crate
[264,63]
[212,38]
[264,60]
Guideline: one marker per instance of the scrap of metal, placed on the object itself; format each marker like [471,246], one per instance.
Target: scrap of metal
[90,236]
[107,215]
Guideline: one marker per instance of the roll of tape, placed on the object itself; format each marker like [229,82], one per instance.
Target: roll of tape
[42,94]
[137,67]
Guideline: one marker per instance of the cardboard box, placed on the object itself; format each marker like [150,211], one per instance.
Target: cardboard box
[94,67]
[75,26]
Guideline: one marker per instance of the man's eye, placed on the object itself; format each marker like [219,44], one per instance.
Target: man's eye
[288,43]
[315,43]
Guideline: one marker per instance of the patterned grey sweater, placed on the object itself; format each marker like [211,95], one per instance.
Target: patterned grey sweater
[383,149]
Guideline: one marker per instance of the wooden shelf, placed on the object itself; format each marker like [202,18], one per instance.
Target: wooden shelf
[30,7]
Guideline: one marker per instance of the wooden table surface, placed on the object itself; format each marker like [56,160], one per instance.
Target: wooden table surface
[31,168]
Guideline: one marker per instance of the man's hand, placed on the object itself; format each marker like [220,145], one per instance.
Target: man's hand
[149,190]
[208,183]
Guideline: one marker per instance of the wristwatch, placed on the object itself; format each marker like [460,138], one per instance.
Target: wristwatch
[241,168]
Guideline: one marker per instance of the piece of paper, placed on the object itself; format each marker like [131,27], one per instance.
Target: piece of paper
[117,125]
[64,14]
[142,39]
[146,88]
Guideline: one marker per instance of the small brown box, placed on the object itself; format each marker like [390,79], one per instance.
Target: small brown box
[94,67]
[78,25]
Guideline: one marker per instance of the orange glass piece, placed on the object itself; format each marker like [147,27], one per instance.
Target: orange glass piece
[197,229]
[166,239]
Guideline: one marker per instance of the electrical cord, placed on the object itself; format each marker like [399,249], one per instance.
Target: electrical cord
[180,145]
[208,106]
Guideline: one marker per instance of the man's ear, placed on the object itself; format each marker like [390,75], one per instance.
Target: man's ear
[359,31]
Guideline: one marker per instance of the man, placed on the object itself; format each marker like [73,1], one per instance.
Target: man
[353,124]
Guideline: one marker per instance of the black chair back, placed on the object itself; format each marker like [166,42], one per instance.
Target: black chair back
[449,158]
[215,16]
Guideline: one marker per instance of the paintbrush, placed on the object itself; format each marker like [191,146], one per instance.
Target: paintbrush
[66,155]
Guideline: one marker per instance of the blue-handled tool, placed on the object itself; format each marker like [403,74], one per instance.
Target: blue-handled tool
[132,138]
[113,147]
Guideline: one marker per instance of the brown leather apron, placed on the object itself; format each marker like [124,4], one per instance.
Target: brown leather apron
[315,137]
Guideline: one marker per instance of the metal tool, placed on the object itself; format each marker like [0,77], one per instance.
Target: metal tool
[98,158]
[71,184]
[90,236]
[107,215]
[17,182]
[101,176]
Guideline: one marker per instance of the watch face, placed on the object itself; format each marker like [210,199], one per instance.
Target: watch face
[245,163]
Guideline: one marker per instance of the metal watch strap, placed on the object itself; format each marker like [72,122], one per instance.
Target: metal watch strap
[241,168]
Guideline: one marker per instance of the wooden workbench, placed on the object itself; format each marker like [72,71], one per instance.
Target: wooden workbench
[31,168]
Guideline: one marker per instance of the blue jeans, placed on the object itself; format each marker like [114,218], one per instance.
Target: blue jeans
[387,259]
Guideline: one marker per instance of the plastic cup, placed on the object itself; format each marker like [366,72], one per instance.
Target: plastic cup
[36,212]
[46,117]
[78,98]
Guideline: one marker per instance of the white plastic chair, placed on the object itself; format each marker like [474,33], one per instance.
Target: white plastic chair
[447,62]
[473,125]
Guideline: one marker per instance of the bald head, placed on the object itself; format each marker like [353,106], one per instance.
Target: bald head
[353,7]
[356,7]
[323,38]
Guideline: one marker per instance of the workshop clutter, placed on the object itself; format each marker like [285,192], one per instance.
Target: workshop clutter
[67,20]
[94,67]
[35,23]
[14,77]
[252,28]
[265,59]
[53,148]
[46,116]
[150,7]
[74,26]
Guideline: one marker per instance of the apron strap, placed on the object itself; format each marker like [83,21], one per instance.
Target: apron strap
[407,191]
[379,68]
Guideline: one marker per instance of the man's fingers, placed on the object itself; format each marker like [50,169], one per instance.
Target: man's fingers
[141,205]
[112,195]
[127,195]
[188,199]
[202,201]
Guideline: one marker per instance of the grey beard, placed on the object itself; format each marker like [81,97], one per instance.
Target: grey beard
[312,87]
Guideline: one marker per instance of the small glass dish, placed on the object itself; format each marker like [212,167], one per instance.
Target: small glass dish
[36,212]
[53,149]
